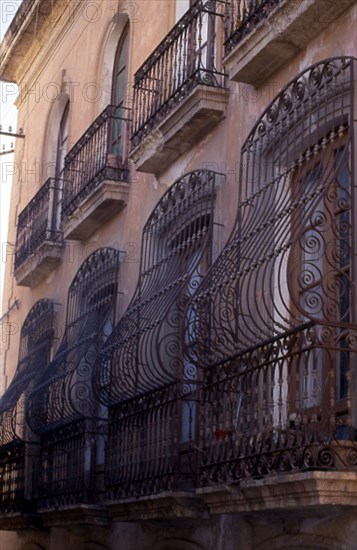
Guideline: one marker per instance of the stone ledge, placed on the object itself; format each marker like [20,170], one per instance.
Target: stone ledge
[292,492]
[178,132]
[106,200]
[39,264]
[167,505]
[278,38]
[19,522]
[79,514]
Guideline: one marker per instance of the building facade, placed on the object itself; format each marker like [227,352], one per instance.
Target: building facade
[179,331]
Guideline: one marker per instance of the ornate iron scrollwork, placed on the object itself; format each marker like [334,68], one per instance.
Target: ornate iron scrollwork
[144,351]
[242,17]
[64,393]
[280,335]
[142,375]
[184,59]
[62,408]
[37,222]
[36,339]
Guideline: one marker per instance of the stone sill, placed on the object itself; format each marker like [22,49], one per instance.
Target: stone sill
[79,514]
[39,264]
[104,202]
[288,492]
[181,129]
[17,522]
[275,40]
[167,505]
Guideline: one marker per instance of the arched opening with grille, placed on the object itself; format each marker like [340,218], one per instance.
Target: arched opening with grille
[142,376]
[279,345]
[61,407]
[36,341]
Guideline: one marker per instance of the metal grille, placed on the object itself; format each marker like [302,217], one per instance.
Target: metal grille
[142,457]
[91,160]
[65,477]
[185,59]
[278,343]
[37,223]
[142,375]
[62,408]
[35,345]
[12,481]
[243,16]
[64,393]
[143,351]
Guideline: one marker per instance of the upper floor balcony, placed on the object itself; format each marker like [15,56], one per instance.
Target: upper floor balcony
[39,242]
[179,92]
[261,35]
[95,176]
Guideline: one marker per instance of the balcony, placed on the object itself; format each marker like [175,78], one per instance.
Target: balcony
[39,243]
[272,426]
[12,478]
[61,407]
[280,411]
[261,35]
[274,331]
[146,464]
[179,92]
[95,176]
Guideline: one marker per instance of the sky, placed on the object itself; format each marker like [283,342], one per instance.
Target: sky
[8,118]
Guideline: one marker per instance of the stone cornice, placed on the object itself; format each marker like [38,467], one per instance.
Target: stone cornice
[31,38]
[300,491]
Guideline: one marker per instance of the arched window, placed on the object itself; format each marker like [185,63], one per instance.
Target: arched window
[142,376]
[63,394]
[62,406]
[36,340]
[119,89]
[37,334]
[62,143]
[279,348]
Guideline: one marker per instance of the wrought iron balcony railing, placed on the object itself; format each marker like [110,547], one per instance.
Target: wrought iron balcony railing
[241,18]
[64,478]
[100,154]
[16,460]
[143,447]
[38,222]
[141,374]
[143,352]
[275,409]
[185,59]
[274,332]
[12,478]
[62,408]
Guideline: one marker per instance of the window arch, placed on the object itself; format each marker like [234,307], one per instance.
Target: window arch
[56,142]
[141,375]
[280,299]
[118,31]
[36,341]
[63,394]
[119,92]
[62,140]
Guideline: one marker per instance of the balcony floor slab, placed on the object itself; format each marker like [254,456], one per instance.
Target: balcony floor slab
[106,200]
[178,132]
[279,37]
[288,492]
[39,264]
